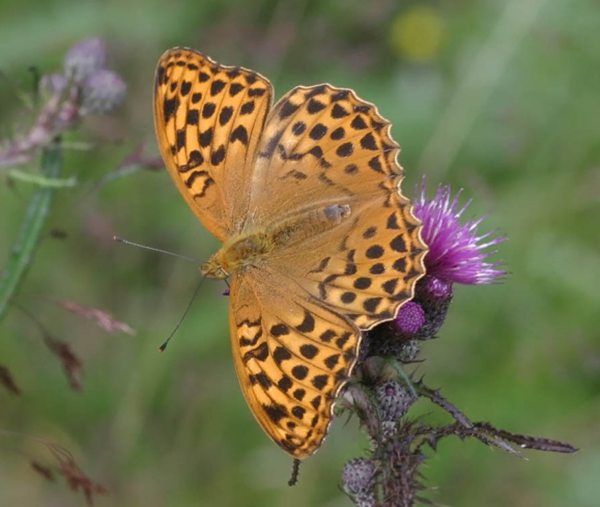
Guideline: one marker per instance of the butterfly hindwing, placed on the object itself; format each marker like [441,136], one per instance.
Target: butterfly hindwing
[208,120]
[292,357]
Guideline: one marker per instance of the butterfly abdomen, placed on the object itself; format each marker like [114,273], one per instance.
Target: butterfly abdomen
[309,224]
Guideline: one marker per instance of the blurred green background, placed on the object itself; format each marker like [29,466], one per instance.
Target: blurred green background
[499,97]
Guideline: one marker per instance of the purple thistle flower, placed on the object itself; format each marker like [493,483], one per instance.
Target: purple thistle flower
[455,250]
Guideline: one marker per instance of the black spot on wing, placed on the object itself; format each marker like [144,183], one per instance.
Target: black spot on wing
[398,244]
[285,383]
[309,351]
[234,89]
[287,109]
[170,107]
[358,123]
[320,381]
[275,412]
[314,106]
[308,324]
[368,142]
[216,86]
[281,354]
[247,107]
[192,117]
[208,110]
[218,156]
[338,112]
[327,336]
[338,134]
[300,372]
[225,115]
[205,138]
[279,330]
[186,86]
[239,134]
[345,150]
[256,92]
[299,394]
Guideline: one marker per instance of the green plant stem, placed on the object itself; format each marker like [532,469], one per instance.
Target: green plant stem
[42,181]
[22,254]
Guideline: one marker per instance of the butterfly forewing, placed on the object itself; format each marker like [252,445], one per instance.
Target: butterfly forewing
[322,144]
[208,120]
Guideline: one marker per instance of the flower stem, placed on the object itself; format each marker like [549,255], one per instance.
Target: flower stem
[22,254]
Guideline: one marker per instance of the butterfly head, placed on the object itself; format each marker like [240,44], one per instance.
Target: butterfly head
[213,269]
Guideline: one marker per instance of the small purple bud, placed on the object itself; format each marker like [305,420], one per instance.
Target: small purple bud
[225,292]
[103,92]
[436,288]
[53,84]
[410,319]
[358,476]
[434,295]
[85,58]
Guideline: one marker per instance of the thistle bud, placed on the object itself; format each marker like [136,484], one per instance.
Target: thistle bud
[408,351]
[102,92]
[394,400]
[358,476]
[85,58]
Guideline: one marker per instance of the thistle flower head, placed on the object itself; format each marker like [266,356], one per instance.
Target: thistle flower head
[456,250]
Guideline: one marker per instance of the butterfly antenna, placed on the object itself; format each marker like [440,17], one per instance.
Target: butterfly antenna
[164,345]
[295,472]
[159,250]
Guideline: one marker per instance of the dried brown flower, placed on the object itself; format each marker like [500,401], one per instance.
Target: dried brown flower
[71,364]
[103,319]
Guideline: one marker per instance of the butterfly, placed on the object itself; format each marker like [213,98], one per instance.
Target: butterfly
[318,241]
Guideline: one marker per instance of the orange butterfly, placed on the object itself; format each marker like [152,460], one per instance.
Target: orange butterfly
[318,241]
